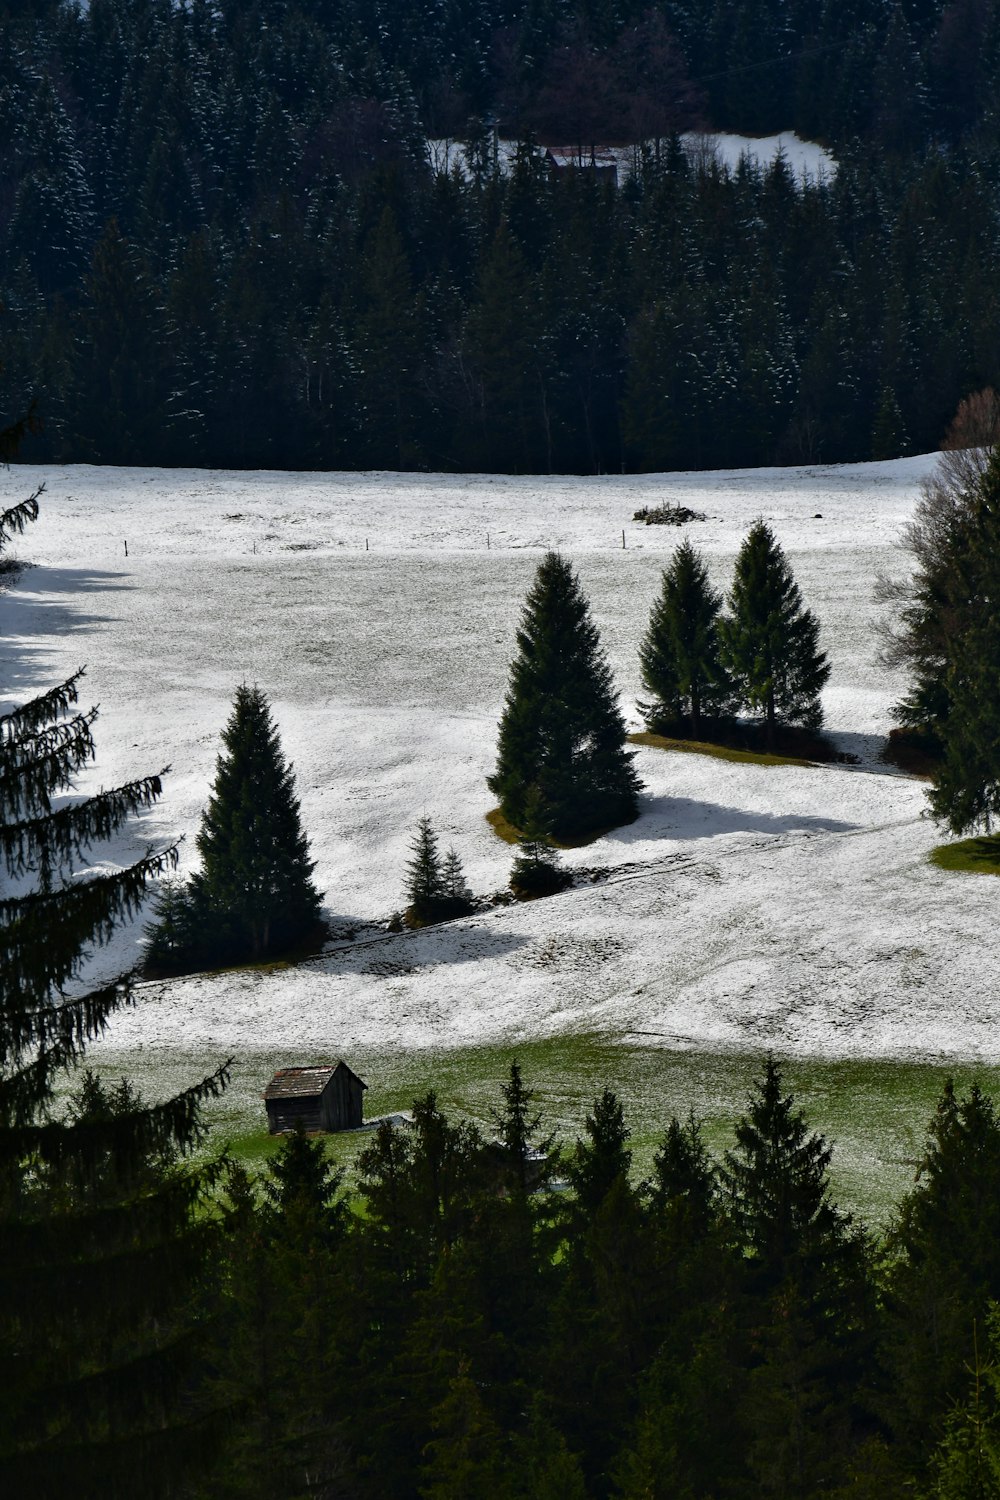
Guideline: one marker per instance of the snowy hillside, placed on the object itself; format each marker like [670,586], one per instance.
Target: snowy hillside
[748,906]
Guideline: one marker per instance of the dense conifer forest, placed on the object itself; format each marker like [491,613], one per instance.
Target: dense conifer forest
[222,242]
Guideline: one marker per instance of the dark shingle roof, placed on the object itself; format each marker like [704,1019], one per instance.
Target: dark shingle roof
[305,1083]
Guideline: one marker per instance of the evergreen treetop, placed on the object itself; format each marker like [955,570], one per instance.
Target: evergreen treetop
[679,654]
[776,1185]
[966,786]
[770,642]
[561,732]
[254,893]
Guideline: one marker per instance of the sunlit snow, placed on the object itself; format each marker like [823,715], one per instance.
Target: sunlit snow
[788,906]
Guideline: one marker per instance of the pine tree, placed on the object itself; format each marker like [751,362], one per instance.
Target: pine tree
[280,1351]
[456,887]
[776,1181]
[536,870]
[680,652]
[561,731]
[517,1125]
[808,1312]
[966,787]
[770,643]
[944,1268]
[436,889]
[425,878]
[603,1157]
[100,1240]
[253,896]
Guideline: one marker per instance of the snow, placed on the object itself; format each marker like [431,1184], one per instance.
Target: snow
[748,906]
[806,160]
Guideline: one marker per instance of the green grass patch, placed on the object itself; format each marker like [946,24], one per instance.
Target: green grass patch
[720,752]
[511,835]
[874,1111]
[970,856]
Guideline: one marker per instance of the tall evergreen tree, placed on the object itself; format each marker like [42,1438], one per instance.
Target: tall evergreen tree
[253,895]
[679,654]
[100,1236]
[944,1268]
[770,642]
[561,731]
[966,789]
[424,874]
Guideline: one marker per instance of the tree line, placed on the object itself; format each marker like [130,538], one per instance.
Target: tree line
[221,241]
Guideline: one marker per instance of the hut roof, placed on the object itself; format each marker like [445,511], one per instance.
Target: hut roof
[304,1083]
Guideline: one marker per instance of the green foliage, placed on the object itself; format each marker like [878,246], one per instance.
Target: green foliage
[679,654]
[253,896]
[966,787]
[103,1236]
[278,1356]
[536,870]
[776,1184]
[603,1157]
[945,1268]
[436,889]
[770,643]
[562,736]
[525,1158]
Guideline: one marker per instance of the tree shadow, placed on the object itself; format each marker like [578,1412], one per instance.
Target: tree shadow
[869,749]
[46,602]
[395,955]
[678,818]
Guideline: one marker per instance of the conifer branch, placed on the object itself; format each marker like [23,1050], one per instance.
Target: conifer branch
[62,836]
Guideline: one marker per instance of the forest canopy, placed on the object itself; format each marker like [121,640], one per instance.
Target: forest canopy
[222,241]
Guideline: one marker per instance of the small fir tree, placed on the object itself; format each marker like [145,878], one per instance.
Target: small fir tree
[425,876]
[536,870]
[253,896]
[561,731]
[679,655]
[770,643]
[599,1161]
[436,889]
[517,1125]
[456,887]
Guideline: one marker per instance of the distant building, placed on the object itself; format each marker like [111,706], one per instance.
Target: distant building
[323,1097]
[600,164]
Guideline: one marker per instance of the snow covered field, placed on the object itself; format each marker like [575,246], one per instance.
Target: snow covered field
[748,907]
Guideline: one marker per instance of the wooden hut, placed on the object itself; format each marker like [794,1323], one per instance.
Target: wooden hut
[324,1097]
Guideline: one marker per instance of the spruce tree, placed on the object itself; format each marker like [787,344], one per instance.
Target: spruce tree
[776,1182]
[456,887]
[100,1238]
[770,642]
[536,870]
[253,896]
[425,877]
[562,731]
[436,889]
[679,655]
[966,786]
[944,1267]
